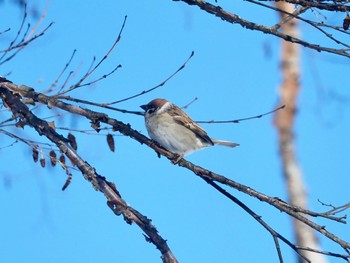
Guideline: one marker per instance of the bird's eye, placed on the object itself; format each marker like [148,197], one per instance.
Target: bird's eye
[151,110]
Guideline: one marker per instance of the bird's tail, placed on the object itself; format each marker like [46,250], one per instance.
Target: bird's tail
[224,143]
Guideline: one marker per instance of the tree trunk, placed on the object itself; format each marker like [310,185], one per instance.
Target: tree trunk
[284,121]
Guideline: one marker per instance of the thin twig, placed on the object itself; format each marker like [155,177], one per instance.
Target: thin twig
[115,201]
[107,105]
[235,19]
[322,5]
[297,12]
[259,219]
[12,43]
[156,87]
[53,85]
[42,17]
[102,77]
[30,143]
[5,31]
[102,105]
[190,103]
[79,83]
[313,24]
[21,45]
[244,119]
[97,118]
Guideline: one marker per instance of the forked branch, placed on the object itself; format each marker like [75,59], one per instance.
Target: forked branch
[236,19]
[96,118]
[114,199]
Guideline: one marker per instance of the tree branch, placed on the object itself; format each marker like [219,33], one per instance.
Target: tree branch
[322,5]
[235,19]
[114,199]
[96,118]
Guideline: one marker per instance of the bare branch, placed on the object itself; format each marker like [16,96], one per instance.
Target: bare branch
[5,31]
[245,119]
[102,77]
[335,210]
[12,43]
[79,83]
[107,105]
[115,201]
[290,15]
[102,105]
[97,118]
[190,103]
[22,44]
[338,6]
[156,87]
[276,236]
[235,19]
[53,85]
[42,17]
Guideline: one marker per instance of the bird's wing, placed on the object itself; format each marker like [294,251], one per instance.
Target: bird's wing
[183,119]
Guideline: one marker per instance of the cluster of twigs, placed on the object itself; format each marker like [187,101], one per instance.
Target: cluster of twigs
[8,93]
[328,31]
[26,34]
[19,99]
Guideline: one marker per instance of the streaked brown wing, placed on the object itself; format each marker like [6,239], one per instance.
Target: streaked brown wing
[183,119]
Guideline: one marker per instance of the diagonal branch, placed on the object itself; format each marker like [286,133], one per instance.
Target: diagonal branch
[114,199]
[156,87]
[275,235]
[96,118]
[235,19]
[318,4]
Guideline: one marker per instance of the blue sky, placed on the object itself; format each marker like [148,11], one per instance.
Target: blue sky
[231,75]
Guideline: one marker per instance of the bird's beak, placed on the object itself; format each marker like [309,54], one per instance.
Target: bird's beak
[144,107]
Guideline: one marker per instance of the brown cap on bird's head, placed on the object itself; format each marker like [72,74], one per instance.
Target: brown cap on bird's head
[154,104]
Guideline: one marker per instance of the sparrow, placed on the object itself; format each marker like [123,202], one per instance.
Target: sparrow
[173,129]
